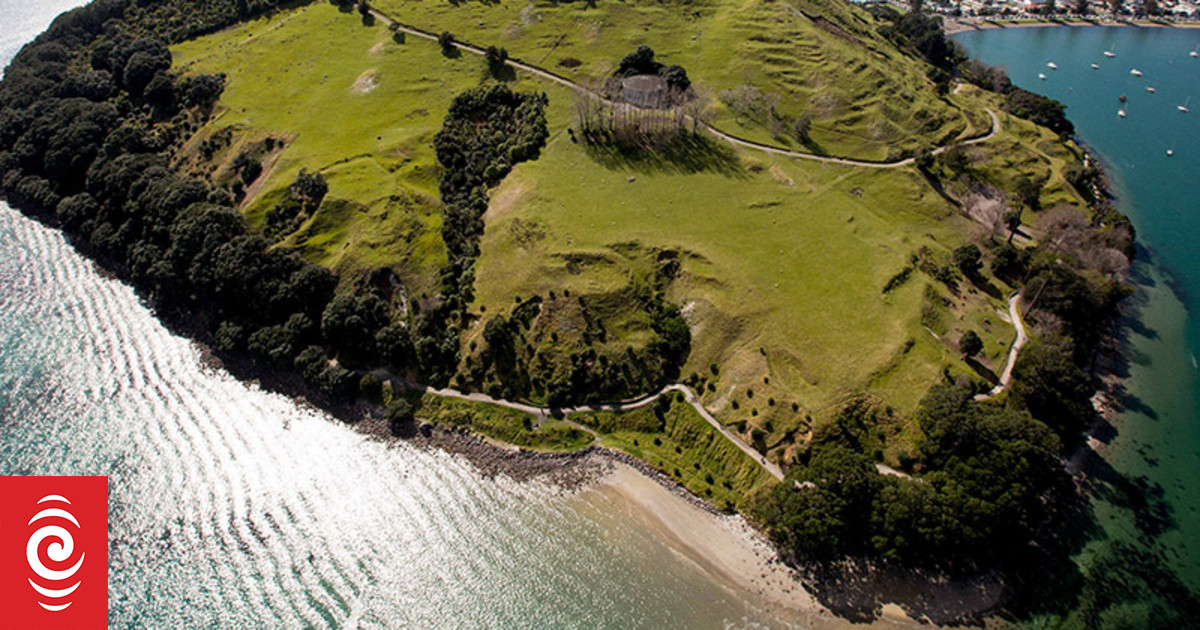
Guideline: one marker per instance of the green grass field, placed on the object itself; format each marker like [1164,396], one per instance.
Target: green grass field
[783,271]
[357,106]
[802,55]
[783,261]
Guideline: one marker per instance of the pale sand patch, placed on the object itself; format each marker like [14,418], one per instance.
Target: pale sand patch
[365,82]
[781,176]
[726,548]
[509,195]
[377,49]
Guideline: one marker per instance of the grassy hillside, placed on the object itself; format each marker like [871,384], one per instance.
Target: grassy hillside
[821,57]
[353,104]
[782,263]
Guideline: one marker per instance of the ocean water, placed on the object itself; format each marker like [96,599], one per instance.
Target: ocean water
[235,508]
[1158,436]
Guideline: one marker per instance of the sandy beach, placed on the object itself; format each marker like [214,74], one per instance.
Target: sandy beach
[726,548]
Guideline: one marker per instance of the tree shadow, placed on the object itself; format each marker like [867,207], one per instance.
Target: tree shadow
[1146,500]
[935,183]
[451,52]
[985,285]
[368,19]
[685,153]
[399,37]
[856,589]
[813,146]
[983,371]
[501,72]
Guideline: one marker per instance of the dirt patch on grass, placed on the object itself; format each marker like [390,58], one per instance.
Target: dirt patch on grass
[510,196]
[366,82]
[781,176]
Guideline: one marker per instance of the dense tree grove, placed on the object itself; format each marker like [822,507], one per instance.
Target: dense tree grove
[487,131]
[987,472]
[89,117]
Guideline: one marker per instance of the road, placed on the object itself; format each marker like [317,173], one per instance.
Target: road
[713,131]
[1014,312]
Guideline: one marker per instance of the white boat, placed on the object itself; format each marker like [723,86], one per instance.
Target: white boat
[1184,108]
[1041,76]
[1150,89]
[1135,72]
[1170,152]
[1109,53]
[1121,112]
[1095,66]
[1195,52]
[1052,65]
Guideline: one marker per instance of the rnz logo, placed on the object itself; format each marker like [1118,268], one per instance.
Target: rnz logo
[50,523]
[53,553]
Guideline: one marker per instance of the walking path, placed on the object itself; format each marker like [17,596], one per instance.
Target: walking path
[717,133]
[545,412]
[1014,312]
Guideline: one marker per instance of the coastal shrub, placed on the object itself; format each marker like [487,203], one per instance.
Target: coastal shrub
[399,415]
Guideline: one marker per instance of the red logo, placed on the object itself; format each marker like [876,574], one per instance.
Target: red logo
[53,553]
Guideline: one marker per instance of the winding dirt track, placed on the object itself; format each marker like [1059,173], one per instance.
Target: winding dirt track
[713,131]
[690,396]
[545,412]
[1014,312]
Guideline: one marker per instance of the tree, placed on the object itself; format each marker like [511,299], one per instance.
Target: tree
[1053,388]
[956,160]
[1117,6]
[924,160]
[676,77]
[803,127]
[141,68]
[1029,191]
[351,322]
[1012,220]
[969,260]
[496,58]
[1010,263]
[310,189]
[446,41]
[970,344]
[640,61]
[399,415]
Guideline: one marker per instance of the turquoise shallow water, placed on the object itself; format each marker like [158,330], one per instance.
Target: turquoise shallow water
[1159,436]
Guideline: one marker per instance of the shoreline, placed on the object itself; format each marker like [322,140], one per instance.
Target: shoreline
[723,546]
[956,25]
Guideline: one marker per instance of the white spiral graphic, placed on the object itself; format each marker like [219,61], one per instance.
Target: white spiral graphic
[59,551]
